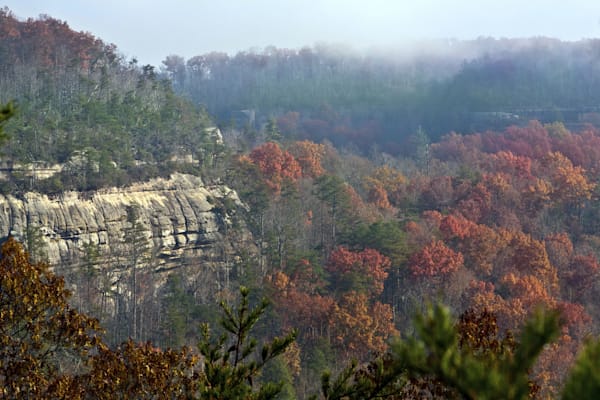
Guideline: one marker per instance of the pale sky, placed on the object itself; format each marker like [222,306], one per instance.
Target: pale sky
[150,30]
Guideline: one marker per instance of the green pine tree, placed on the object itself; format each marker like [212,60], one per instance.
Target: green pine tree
[232,363]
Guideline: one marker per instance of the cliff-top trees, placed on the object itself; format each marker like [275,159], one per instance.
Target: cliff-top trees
[80,103]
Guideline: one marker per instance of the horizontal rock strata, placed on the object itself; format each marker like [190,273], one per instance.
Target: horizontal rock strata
[179,216]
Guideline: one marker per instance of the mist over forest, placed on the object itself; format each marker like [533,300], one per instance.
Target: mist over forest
[386,96]
[309,223]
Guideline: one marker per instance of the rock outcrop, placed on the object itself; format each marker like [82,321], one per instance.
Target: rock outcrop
[180,217]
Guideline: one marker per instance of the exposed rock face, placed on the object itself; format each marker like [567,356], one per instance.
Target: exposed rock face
[180,217]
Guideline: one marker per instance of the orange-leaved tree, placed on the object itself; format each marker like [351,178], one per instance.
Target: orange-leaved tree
[361,327]
[309,155]
[361,271]
[435,259]
[41,337]
[385,186]
[275,165]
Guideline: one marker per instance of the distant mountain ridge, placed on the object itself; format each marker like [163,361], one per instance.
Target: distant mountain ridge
[347,97]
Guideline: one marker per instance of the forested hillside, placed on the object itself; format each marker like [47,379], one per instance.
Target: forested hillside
[383,97]
[503,222]
[106,120]
[348,242]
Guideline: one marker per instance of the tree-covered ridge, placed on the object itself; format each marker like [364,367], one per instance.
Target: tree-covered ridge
[498,222]
[108,121]
[50,350]
[503,222]
[384,97]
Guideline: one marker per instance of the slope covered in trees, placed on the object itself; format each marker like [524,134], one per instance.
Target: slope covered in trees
[502,222]
[106,120]
[384,97]
[50,350]
[495,224]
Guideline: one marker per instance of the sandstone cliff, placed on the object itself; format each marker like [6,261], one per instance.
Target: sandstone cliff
[181,217]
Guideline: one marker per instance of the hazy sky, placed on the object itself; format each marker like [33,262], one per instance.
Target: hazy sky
[151,30]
